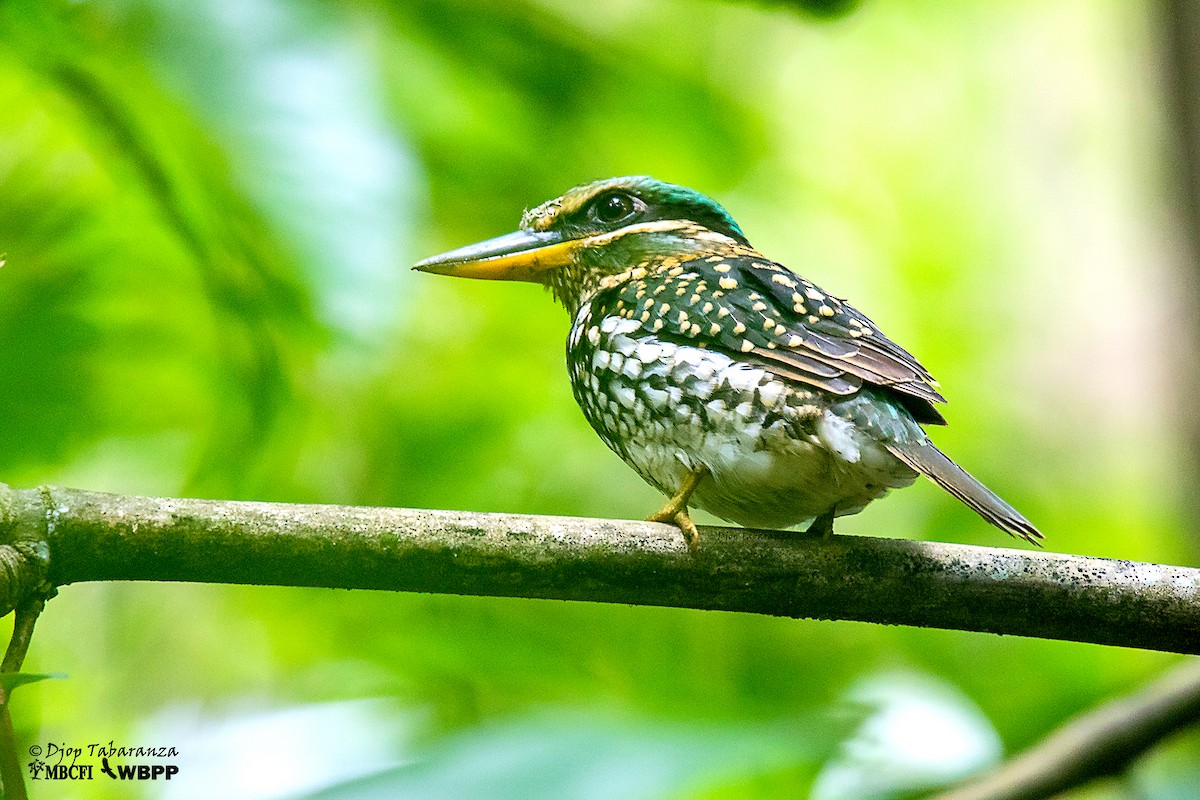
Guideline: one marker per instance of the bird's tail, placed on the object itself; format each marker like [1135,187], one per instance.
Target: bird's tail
[937,466]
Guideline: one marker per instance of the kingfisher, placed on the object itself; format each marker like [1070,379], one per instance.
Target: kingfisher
[725,380]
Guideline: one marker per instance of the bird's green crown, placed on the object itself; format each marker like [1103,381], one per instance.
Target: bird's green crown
[610,205]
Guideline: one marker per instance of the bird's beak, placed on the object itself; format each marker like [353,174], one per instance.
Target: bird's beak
[519,256]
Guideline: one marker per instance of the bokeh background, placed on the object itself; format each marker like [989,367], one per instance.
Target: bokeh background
[207,213]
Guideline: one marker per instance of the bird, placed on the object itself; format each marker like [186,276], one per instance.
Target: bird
[725,380]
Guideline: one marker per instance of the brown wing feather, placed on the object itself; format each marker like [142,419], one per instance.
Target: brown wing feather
[834,332]
[742,303]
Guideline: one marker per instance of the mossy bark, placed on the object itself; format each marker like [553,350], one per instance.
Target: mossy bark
[60,536]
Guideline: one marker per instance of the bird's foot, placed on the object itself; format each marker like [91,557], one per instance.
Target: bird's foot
[822,525]
[680,519]
[675,510]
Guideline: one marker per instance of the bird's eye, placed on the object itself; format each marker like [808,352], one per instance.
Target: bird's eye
[613,208]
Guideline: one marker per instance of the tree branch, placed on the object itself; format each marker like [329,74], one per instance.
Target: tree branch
[12,780]
[98,537]
[1102,742]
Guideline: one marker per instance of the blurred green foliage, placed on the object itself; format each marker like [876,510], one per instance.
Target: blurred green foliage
[207,211]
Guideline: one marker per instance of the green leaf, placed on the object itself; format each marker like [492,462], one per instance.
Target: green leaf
[11,680]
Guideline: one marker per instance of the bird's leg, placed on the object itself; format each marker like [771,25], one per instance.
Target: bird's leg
[675,511]
[823,525]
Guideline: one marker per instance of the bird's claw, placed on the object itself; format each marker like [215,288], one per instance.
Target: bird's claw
[675,512]
[680,519]
[822,526]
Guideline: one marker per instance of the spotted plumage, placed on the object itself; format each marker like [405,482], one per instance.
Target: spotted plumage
[724,379]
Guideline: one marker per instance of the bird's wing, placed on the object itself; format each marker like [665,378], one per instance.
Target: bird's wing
[756,309]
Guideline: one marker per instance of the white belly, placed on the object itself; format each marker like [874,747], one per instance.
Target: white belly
[778,456]
[773,480]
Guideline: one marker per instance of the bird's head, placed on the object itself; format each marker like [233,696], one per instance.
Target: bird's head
[570,244]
